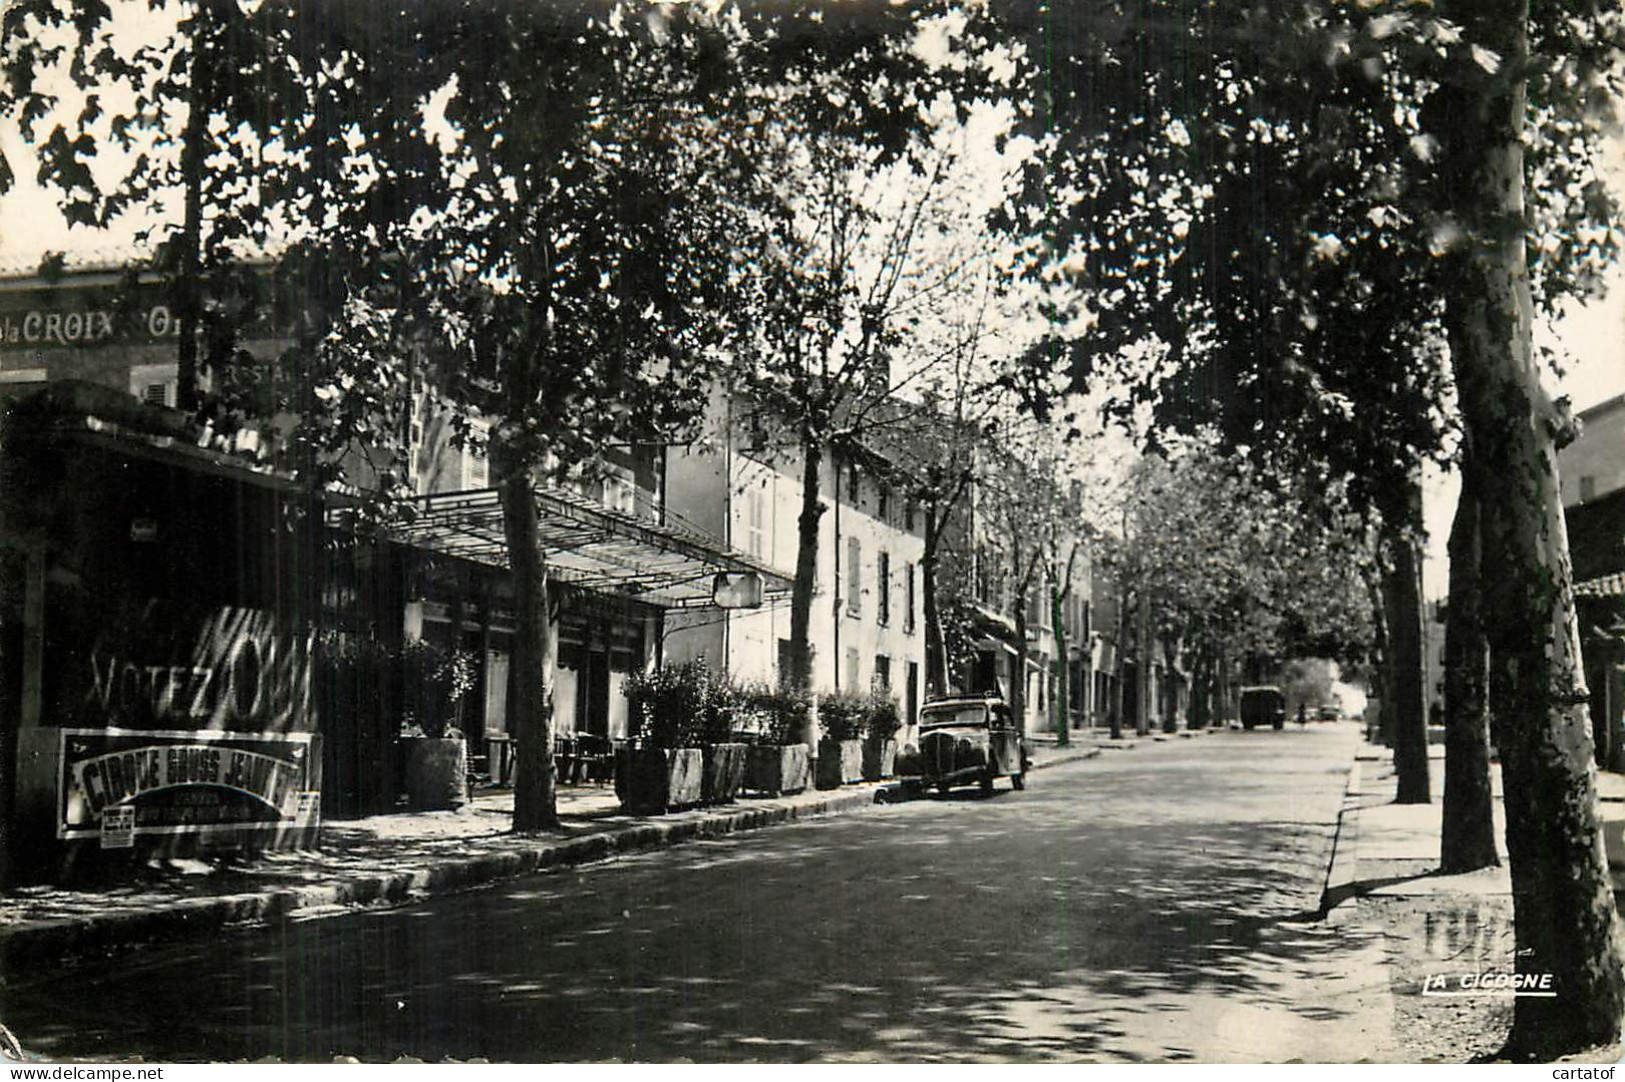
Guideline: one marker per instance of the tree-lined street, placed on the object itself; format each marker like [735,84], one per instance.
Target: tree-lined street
[525,396]
[1151,904]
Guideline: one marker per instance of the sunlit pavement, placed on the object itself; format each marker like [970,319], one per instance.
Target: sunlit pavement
[1152,905]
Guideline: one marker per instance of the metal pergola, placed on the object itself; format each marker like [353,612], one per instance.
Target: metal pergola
[588,545]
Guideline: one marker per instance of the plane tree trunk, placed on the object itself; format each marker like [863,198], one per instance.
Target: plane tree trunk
[1563,902]
[187,288]
[1062,701]
[1144,678]
[1018,663]
[1468,839]
[936,649]
[806,580]
[535,798]
[1402,600]
[1114,705]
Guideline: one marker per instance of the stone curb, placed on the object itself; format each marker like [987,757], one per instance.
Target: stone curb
[35,945]
[1343,870]
[1129,742]
[1072,755]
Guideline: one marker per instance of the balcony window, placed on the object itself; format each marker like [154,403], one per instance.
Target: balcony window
[755,518]
[620,492]
[908,598]
[854,578]
[883,588]
[154,384]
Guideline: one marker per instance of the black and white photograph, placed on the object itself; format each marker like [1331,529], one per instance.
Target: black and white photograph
[811,532]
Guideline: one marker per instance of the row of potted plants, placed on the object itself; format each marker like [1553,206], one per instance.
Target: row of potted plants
[857,738]
[699,738]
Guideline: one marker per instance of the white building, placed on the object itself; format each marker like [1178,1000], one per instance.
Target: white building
[744,488]
[1593,465]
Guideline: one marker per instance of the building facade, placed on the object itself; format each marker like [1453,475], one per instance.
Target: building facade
[978,591]
[1591,472]
[98,347]
[743,484]
[1594,464]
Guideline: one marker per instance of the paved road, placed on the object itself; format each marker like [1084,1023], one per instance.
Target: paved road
[1152,904]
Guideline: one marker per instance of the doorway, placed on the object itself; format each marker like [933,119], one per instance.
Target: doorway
[592,698]
[911,694]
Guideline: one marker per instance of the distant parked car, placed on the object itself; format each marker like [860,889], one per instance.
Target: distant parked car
[1329,711]
[964,739]
[1264,705]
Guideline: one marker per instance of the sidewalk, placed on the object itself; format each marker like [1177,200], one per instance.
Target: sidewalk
[1391,850]
[391,860]
[1384,877]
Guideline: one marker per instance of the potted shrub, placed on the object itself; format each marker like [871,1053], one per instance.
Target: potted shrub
[353,691]
[880,738]
[723,771]
[842,717]
[662,767]
[778,762]
[434,680]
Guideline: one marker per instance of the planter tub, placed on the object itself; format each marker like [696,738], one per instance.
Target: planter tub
[436,772]
[775,769]
[650,781]
[879,759]
[724,773]
[840,762]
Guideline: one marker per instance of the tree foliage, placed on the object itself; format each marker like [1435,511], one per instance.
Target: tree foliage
[858,244]
[177,118]
[1226,555]
[1247,219]
[547,253]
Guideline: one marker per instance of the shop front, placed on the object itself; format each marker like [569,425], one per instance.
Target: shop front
[158,609]
[614,575]
[196,656]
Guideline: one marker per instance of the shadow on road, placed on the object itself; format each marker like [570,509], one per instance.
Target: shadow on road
[1152,911]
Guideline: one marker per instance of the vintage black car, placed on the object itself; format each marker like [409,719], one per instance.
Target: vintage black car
[964,739]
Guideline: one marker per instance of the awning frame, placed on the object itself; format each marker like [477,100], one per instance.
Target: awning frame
[587,545]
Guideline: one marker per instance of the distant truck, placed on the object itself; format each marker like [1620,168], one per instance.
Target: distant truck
[1263,705]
